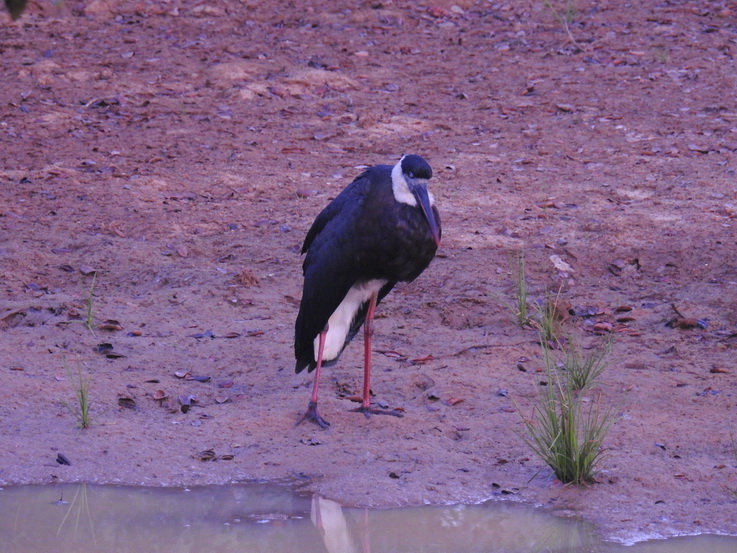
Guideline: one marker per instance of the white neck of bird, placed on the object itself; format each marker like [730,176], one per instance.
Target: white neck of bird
[402,193]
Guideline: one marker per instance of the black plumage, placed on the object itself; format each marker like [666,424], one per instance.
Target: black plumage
[365,241]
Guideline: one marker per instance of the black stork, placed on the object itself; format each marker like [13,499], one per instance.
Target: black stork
[381,229]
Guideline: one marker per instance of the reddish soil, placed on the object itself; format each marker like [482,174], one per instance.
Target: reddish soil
[179,151]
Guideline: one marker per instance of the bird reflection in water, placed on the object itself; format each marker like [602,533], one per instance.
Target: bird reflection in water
[332,523]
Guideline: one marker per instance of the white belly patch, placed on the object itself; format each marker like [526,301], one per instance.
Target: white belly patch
[340,321]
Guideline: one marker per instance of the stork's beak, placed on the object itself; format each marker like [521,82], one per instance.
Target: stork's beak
[419,190]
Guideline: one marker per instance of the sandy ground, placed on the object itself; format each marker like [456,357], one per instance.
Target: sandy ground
[176,152]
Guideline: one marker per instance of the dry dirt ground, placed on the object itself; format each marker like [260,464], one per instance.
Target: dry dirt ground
[167,158]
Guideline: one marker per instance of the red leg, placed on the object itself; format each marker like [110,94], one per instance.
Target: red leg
[311,412]
[368,332]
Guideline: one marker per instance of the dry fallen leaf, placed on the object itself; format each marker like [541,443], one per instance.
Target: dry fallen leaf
[394,355]
[110,325]
[306,193]
[186,401]
[160,395]
[62,459]
[103,348]
[686,323]
[602,327]
[588,311]
[565,107]
[106,349]
[207,455]
[198,378]
[561,265]
[438,12]
[127,402]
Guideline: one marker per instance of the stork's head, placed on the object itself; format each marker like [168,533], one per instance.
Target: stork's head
[409,182]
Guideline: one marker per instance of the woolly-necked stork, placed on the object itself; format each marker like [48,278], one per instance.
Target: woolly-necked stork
[381,229]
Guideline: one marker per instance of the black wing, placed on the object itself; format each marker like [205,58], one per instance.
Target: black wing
[330,267]
[343,206]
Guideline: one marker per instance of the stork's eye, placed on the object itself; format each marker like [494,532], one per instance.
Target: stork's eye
[410,174]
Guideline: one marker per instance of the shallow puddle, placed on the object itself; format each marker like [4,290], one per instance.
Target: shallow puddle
[264,518]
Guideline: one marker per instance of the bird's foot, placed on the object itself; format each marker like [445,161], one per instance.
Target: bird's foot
[368,411]
[312,415]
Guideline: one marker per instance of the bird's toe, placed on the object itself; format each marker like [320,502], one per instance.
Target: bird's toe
[368,411]
[312,415]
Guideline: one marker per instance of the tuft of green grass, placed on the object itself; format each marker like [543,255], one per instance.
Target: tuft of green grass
[548,320]
[730,490]
[519,306]
[80,409]
[89,302]
[583,370]
[564,431]
[566,12]
[520,290]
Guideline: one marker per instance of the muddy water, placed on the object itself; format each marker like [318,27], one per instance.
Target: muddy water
[259,518]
